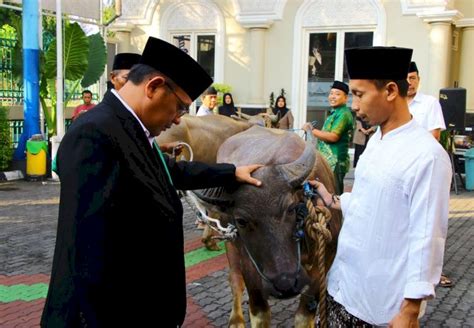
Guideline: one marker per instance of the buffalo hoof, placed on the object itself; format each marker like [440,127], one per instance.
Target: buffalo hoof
[236,324]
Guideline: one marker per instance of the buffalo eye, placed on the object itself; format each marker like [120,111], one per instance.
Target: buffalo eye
[241,223]
[291,209]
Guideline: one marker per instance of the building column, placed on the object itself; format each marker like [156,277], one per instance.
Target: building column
[257,65]
[123,32]
[440,56]
[466,78]
[124,41]
[440,47]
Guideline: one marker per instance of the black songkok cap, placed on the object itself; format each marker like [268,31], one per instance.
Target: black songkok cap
[378,63]
[210,91]
[177,65]
[413,68]
[341,86]
[125,60]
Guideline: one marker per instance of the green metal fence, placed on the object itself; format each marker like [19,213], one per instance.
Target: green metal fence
[10,91]
[17,126]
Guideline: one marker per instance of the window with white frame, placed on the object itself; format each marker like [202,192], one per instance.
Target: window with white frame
[326,64]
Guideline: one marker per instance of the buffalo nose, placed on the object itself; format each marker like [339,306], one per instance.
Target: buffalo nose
[286,285]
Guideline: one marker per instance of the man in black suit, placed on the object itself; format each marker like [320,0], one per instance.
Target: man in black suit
[119,210]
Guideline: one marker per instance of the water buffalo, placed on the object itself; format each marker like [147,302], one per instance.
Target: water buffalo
[204,134]
[265,257]
[261,119]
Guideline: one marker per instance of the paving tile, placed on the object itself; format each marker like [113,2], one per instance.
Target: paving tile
[27,240]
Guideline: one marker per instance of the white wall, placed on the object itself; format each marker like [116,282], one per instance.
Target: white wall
[409,32]
[236,54]
[401,30]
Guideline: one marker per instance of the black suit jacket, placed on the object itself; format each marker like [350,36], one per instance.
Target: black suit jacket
[120,235]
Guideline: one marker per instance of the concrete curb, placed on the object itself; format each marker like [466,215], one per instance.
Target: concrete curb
[11,175]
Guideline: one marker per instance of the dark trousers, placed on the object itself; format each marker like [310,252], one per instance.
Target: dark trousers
[339,175]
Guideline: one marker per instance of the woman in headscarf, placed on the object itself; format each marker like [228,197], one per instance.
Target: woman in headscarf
[282,114]
[228,107]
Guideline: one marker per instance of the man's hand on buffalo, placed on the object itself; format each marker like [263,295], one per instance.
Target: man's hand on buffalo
[243,174]
[329,200]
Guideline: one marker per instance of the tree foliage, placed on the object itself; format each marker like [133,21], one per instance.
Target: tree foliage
[84,58]
[6,150]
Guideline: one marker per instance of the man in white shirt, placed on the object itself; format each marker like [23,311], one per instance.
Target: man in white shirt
[391,245]
[426,110]
[209,102]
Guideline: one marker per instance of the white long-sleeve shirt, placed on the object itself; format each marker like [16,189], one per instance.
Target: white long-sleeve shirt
[427,112]
[391,244]
[203,111]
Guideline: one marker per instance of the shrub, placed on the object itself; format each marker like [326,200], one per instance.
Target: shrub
[6,150]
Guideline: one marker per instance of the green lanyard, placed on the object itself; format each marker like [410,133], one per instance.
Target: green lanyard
[163,161]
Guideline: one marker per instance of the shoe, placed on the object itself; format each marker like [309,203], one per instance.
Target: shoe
[444,281]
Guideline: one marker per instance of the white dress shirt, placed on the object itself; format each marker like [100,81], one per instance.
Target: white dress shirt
[391,244]
[427,112]
[203,111]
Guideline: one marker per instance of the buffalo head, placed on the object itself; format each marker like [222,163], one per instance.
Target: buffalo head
[266,217]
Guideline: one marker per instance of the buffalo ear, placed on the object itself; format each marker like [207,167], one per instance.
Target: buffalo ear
[296,172]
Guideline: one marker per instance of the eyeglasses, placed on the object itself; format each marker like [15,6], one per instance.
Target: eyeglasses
[182,107]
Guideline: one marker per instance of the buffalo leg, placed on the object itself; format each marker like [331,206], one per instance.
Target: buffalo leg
[306,313]
[237,286]
[260,314]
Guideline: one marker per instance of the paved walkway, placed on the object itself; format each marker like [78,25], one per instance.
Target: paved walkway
[28,217]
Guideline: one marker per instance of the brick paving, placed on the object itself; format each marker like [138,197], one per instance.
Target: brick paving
[28,217]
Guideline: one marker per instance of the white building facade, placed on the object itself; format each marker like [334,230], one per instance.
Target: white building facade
[262,46]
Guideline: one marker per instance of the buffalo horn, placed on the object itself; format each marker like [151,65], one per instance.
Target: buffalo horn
[296,172]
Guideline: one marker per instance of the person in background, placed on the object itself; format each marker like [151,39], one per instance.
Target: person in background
[282,116]
[87,105]
[119,206]
[391,245]
[426,110]
[227,108]
[123,62]
[209,102]
[334,138]
[362,133]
